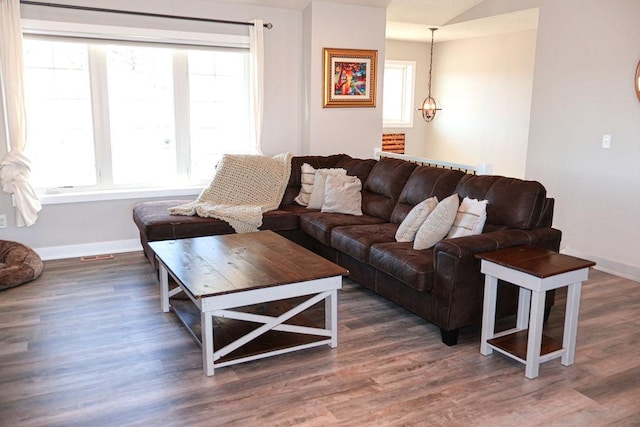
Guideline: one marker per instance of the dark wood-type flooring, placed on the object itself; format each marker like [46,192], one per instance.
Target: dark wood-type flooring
[87,345]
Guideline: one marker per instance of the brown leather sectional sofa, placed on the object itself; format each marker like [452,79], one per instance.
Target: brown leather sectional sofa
[442,284]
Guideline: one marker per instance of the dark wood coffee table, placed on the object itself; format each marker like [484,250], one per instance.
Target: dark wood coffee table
[234,276]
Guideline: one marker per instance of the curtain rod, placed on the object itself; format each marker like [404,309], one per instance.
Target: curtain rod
[128,12]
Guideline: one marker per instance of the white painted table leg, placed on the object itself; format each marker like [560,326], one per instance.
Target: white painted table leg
[207,342]
[164,289]
[574,291]
[524,303]
[488,313]
[534,342]
[331,316]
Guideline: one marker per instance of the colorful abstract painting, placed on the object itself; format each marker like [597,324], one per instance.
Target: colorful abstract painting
[349,78]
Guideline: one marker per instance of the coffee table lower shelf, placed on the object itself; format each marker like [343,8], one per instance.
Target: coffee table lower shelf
[227,331]
[514,345]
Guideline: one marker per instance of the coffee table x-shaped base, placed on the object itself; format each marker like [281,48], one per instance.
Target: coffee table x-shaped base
[222,306]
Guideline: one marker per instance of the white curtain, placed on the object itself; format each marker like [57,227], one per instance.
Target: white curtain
[15,167]
[256,61]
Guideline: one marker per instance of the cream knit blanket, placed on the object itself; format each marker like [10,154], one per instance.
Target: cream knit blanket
[242,189]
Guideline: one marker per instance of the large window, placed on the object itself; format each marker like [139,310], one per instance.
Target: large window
[104,115]
[397,97]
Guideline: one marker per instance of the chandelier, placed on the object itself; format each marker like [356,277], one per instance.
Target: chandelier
[429,105]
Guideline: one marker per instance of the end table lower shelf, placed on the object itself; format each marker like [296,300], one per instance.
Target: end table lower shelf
[515,344]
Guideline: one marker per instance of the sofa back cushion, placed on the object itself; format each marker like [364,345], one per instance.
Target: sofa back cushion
[357,167]
[318,162]
[354,167]
[425,182]
[383,186]
[513,202]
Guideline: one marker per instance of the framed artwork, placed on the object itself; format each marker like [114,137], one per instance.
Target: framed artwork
[349,77]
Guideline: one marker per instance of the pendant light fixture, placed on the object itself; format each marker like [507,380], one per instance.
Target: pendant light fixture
[429,105]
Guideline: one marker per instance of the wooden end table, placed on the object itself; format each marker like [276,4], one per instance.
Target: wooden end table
[225,276]
[535,271]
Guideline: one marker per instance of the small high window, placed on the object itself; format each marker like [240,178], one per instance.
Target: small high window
[397,97]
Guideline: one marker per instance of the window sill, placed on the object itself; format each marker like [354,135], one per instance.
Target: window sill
[397,125]
[105,195]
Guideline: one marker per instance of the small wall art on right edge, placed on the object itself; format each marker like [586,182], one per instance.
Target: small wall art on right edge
[636,82]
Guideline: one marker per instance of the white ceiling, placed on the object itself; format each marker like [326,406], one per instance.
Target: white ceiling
[432,13]
[411,19]
[500,24]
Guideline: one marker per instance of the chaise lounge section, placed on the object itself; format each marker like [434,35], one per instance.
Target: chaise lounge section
[442,284]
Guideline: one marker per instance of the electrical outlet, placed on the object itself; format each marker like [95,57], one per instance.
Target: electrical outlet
[3,221]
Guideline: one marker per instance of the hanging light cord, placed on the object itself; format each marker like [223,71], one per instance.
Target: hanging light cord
[433,30]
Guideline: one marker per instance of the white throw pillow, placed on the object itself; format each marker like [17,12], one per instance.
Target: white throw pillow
[342,194]
[470,219]
[308,173]
[414,219]
[437,224]
[317,194]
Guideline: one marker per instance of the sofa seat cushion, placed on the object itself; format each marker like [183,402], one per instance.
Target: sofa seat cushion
[398,259]
[297,209]
[319,224]
[156,223]
[356,240]
[280,220]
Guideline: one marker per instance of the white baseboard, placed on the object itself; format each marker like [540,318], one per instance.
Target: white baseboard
[608,266]
[88,249]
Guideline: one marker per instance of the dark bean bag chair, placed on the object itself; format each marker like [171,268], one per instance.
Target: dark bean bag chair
[18,264]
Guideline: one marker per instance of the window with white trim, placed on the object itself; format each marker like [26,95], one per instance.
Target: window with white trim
[398,93]
[116,114]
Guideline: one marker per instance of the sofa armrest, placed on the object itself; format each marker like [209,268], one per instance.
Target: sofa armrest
[458,284]
[546,237]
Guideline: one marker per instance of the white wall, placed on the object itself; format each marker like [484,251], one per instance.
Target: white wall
[416,136]
[293,82]
[356,131]
[484,87]
[282,49]
[586,52]
[583,88]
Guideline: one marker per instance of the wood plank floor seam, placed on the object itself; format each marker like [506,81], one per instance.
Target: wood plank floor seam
[86,344]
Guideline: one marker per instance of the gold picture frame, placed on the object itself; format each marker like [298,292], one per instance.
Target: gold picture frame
[349,77]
